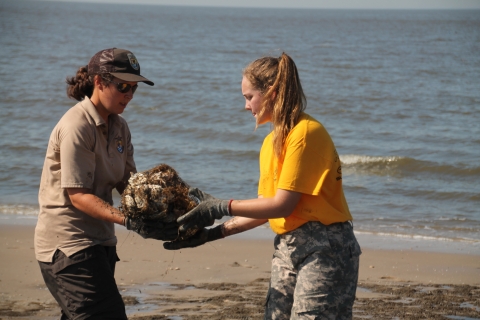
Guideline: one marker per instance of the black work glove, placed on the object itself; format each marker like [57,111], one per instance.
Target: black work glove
[201,237]
[152,228]
[204,214]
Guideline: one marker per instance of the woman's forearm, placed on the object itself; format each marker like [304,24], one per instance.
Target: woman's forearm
[280,206]
[94,206]
[240,224]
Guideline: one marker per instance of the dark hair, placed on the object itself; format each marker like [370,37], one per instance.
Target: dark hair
[82,84]
[279,82]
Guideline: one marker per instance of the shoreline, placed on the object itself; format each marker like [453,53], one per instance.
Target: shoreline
[368,240]
[220,275]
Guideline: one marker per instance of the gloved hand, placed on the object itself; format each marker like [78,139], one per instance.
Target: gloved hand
[201,237]
[205,213]
[152,228]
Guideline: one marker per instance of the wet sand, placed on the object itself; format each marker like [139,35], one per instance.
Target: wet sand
[228,279]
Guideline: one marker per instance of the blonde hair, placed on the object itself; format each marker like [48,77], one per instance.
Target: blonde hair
[279,82]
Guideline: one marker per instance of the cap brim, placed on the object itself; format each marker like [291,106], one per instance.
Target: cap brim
[131,77]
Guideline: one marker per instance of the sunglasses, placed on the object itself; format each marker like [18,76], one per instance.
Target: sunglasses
[123,87]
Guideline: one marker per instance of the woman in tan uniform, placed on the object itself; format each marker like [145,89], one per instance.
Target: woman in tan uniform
[89,154]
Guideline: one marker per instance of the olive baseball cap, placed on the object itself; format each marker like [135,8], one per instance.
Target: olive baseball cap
[120,63]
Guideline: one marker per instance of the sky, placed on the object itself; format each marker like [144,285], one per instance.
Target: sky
[321,4]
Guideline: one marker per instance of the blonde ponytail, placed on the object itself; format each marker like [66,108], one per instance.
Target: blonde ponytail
[279,82]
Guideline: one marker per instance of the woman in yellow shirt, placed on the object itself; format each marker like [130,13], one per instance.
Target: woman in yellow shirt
[315,264]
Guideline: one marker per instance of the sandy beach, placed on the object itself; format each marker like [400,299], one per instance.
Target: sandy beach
[228,279]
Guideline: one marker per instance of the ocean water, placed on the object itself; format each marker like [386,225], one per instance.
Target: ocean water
[399,92]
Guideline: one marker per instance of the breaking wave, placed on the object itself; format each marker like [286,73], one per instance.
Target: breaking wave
[395,165]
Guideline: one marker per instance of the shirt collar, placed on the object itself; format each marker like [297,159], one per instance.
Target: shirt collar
[92,111]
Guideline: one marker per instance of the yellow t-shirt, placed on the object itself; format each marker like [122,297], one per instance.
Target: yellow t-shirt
[310,166]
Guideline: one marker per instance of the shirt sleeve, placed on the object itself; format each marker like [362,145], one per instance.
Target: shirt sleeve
[307,160]
[76,155]
[130,166]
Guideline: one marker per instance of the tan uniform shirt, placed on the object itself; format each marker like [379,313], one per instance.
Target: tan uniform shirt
[80,154]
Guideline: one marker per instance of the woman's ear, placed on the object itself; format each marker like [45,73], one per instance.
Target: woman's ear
[98,83]
[274,93]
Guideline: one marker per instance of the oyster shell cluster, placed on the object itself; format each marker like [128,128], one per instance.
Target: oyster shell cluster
[158,190]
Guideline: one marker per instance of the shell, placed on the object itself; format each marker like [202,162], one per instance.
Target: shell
[158,190]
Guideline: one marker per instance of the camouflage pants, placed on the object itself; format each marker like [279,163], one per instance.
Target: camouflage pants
[314,273]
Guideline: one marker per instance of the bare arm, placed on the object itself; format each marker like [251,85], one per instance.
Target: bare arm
[95,207]
[280,206]
[240,224]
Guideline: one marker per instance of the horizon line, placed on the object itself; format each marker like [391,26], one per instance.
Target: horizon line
[156,3]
